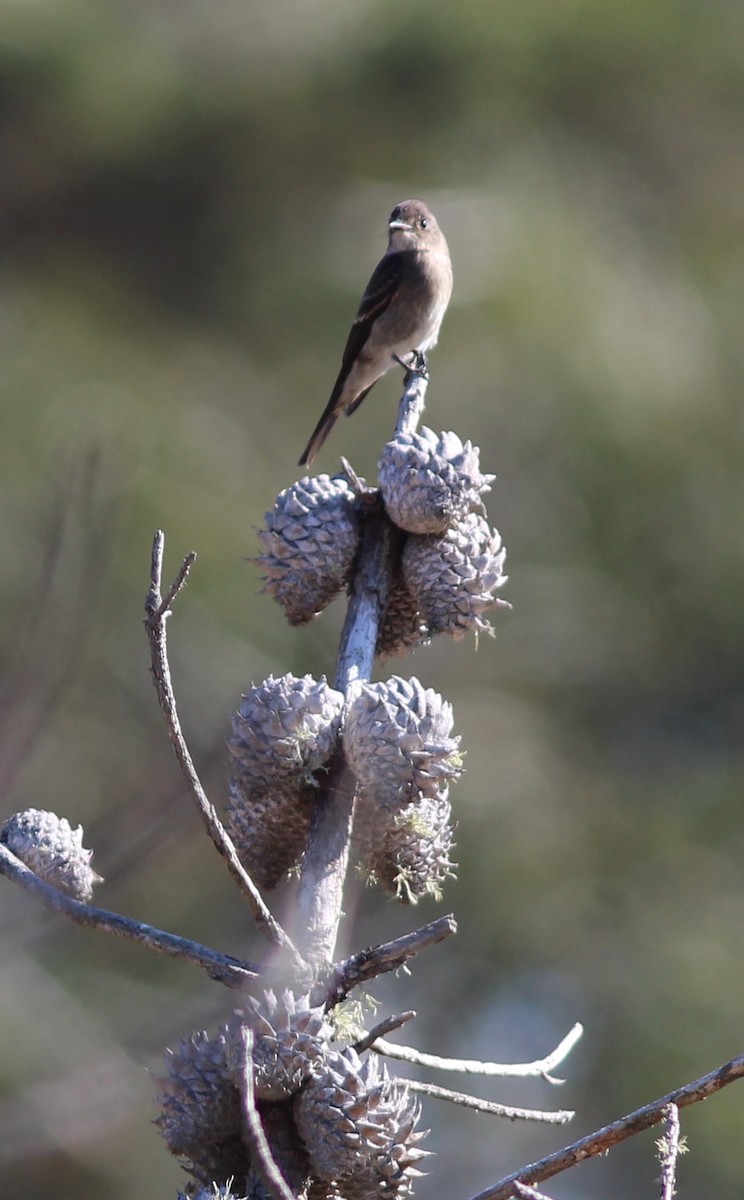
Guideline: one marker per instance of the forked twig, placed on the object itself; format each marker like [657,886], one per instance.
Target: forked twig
[604,1139]
[157,609]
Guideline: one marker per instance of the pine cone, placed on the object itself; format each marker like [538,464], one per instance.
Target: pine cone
[428,481]
[310,542]
[53,850]
[453,578]
[397,741]
[406,852]
[269,827]
[358,1127]
[288,1038]
[284,727]
[402,625]
[201,1116]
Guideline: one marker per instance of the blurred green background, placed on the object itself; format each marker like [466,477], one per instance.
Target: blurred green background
[192,197]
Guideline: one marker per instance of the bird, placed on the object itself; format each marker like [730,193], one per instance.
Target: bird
[399,315]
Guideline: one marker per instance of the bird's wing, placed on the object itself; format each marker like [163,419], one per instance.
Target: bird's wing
[379,295]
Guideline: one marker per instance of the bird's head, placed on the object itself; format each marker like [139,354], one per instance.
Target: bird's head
[412,226]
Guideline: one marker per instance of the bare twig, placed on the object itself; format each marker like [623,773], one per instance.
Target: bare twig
[231,971]
[356,482]
[157,609]
[386,1026]
[670,1148]
[380,960]
[607,1137]
[559,1117]
[178,582]
[541,1067]
[259,1145]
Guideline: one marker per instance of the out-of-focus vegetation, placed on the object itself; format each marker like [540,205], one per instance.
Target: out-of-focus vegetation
[192,198]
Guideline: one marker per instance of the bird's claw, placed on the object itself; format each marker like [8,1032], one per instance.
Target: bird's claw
[417,366]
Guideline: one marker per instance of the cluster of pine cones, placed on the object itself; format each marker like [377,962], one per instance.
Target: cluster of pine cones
[396,735]
[337,1124]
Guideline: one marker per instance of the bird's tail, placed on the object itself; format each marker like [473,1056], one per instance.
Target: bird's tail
[331,413]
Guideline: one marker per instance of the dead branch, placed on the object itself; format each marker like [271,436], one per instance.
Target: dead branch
[607,1137]
[380,960]
[233,972]
[157,609]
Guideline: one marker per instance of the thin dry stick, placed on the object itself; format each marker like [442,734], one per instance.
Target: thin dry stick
[273,1177]
[386,1026]
[231,971]
[542,1067]
[157,609]
[559,1117]
[670,1149]
[380,960]
[607,1137]
[326,857]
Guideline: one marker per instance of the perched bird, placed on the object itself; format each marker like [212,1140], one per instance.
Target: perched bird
[399,316]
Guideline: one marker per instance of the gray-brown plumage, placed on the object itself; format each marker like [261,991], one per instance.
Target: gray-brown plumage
[399,316]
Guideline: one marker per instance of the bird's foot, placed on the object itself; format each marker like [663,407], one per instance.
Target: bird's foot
[417,365]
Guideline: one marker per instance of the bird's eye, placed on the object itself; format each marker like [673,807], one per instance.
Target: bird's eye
[424,223]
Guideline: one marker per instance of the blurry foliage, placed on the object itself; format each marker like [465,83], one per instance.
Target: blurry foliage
[192,198]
